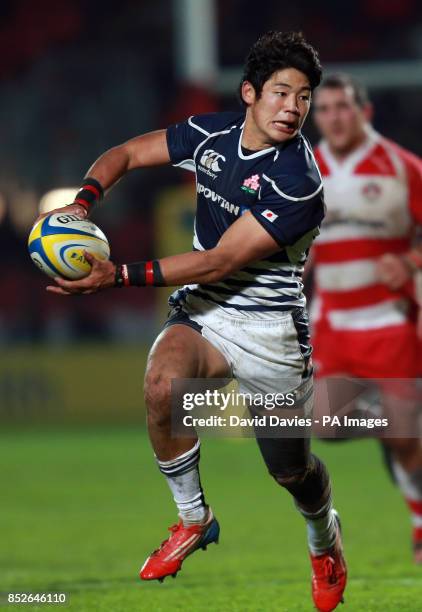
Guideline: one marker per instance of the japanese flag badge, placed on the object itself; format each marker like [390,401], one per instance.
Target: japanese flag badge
[268,214]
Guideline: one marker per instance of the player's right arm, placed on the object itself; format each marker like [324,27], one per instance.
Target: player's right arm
[143,151]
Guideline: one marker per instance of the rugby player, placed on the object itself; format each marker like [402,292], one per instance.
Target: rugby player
[365,260]
[241,311]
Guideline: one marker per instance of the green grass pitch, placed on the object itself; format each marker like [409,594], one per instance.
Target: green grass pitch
[81,510]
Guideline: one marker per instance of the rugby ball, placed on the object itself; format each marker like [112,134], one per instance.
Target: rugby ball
[57,243]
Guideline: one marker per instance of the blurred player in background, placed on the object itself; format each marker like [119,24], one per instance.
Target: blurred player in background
[242,310]
[365,261]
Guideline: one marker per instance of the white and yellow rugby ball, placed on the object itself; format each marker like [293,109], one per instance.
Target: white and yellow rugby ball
[57,243]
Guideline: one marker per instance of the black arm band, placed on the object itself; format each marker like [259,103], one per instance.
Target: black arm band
[158,275]
[89,194]
[140,274]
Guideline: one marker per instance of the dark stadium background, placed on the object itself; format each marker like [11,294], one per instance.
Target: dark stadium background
[79,77]
[75,79]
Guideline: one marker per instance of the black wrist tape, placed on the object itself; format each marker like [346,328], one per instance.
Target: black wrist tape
[136,273]
[158,275]
[89,194]
[140,274]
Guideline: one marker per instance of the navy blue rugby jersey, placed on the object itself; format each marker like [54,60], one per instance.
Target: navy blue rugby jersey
[281,186]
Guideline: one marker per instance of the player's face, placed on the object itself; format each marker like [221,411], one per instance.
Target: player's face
[279,112]
[340,120]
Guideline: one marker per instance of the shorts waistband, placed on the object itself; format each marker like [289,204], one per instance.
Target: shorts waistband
[238,321]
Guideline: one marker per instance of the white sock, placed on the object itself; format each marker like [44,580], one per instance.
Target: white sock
[321,527]
[182,474]
[410,484]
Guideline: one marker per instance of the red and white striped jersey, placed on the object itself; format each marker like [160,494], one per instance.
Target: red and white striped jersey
[374,202]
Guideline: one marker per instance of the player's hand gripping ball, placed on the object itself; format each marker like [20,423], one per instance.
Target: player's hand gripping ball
[57,243]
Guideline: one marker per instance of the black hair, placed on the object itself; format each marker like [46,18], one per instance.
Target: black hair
[276,51]
[342,81]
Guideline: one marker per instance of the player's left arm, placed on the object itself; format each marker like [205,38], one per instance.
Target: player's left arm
[244,241]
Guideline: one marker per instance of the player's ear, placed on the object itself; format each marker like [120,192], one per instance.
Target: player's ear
[248,93]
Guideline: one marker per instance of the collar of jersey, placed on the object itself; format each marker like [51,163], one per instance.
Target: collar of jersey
[353,159]
[281,146]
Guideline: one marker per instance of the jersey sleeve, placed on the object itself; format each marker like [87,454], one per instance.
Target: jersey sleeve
[414,179]
[183,138]
[290,208]
[413,167]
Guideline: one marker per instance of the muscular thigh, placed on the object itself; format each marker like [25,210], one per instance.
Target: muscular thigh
[182,352]
[178,352]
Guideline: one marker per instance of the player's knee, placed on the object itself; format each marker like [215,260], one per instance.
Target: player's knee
[308,483]
[291,476]
[157,394]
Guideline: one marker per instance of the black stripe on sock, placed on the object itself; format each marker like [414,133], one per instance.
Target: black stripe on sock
[181,467]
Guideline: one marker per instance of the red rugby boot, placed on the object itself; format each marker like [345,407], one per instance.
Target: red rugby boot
[329,576]
[184,540]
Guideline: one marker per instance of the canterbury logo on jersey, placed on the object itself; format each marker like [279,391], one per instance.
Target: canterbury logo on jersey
[210,160]
[211,195]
